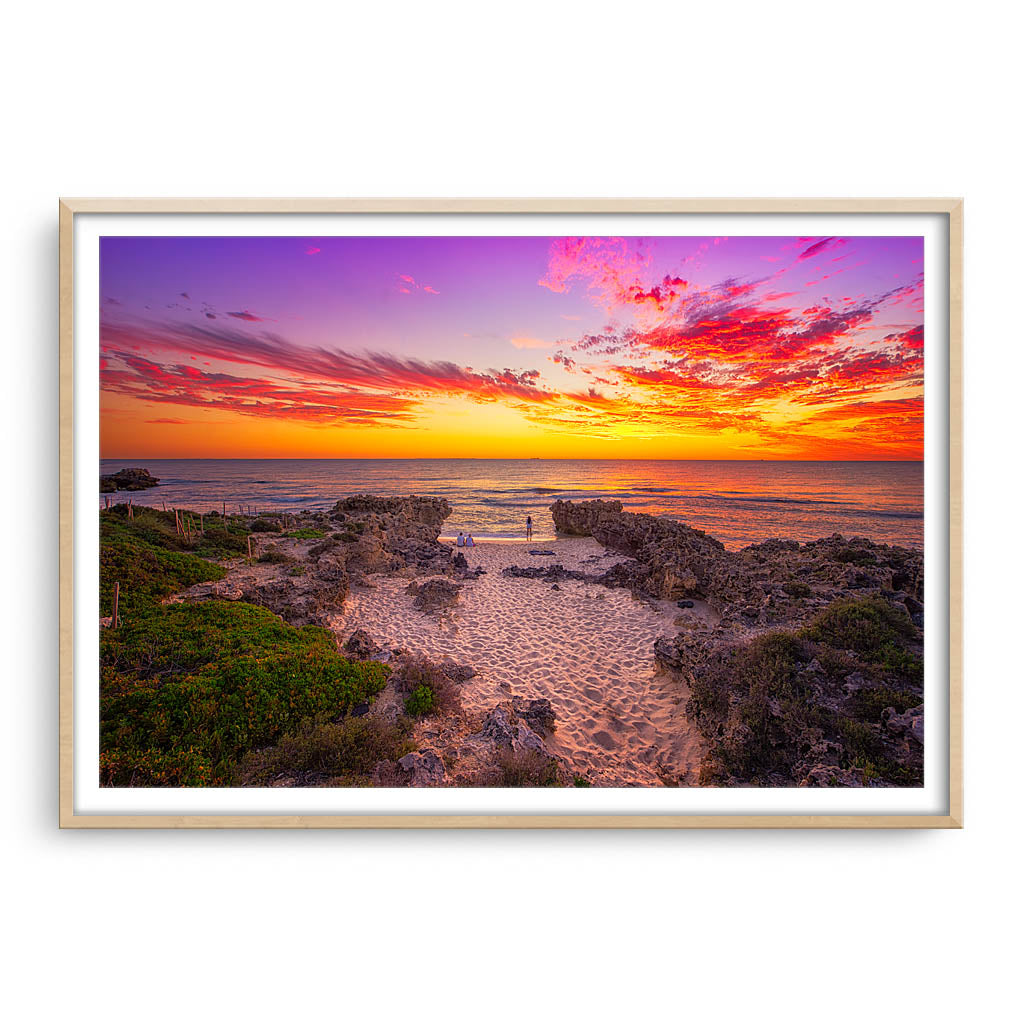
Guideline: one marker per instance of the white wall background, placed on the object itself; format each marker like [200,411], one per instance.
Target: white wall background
[511,99]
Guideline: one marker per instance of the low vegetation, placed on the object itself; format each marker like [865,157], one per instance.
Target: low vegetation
[189,691]
[306,533]
[521,769]
[264,525]
[322,752]
[275,556]
[220,537]
[786,700]
[146,561]
[426,688]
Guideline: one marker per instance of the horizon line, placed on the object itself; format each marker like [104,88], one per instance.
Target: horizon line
[445,458]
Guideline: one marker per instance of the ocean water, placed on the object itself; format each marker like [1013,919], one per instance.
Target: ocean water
[738,502]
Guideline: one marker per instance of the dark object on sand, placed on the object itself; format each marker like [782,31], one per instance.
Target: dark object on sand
[127,480]
[684,604]
[361,647]
[539,551]
[360,709]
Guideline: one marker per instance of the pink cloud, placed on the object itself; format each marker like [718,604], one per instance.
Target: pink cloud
[525,341]
[413,286]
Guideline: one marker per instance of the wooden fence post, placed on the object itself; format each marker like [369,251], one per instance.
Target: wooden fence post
[117,594]
[248,541]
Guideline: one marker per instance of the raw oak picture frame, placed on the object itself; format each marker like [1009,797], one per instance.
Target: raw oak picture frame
[949,209]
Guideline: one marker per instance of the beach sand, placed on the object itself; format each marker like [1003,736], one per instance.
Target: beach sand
[586,647]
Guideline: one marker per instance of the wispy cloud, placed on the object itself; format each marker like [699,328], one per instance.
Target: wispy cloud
[525,341]
[407,285]
[251,318]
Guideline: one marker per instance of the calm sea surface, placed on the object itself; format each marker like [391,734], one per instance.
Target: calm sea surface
[737,502]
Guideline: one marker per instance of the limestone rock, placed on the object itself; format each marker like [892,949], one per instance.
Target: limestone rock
[128,480]
[421,769]
[361,647]
[435,595]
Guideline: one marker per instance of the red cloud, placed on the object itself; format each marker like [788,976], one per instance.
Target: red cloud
[332,382]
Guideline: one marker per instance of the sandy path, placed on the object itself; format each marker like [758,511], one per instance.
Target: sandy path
[588,648]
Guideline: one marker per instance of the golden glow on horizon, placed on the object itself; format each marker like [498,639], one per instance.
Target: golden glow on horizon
[455,429]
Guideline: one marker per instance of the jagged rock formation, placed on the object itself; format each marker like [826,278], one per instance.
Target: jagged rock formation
[434,596]
[306,581]
[128,480]
[770,583]
[385,534]
[417,770]
[361,646]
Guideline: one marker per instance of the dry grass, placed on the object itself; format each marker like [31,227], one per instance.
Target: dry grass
[415,677]
[526,769]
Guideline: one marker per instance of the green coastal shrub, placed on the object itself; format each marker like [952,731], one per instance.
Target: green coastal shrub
[420,702]
[875,630]
[189,689]
[146,574]
[427,689]
[767,704]
[221,538]
[868,704]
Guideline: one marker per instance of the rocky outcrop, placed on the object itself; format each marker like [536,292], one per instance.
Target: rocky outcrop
[384,534]
[537,713]
[548,573]
[909,725]
[361,647]
[417,770]
[423,768]
[775,582]
[506,727]
[128,480]
[671,560]
[309,599]
[434,596]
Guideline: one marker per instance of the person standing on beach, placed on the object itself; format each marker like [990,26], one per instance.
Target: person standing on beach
[529,527]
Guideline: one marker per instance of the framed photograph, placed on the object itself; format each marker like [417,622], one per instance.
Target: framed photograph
[510,513]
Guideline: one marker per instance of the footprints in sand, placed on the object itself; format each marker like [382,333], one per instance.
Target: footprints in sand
[589,650]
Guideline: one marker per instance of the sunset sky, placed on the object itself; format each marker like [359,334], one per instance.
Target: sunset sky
[662,348]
